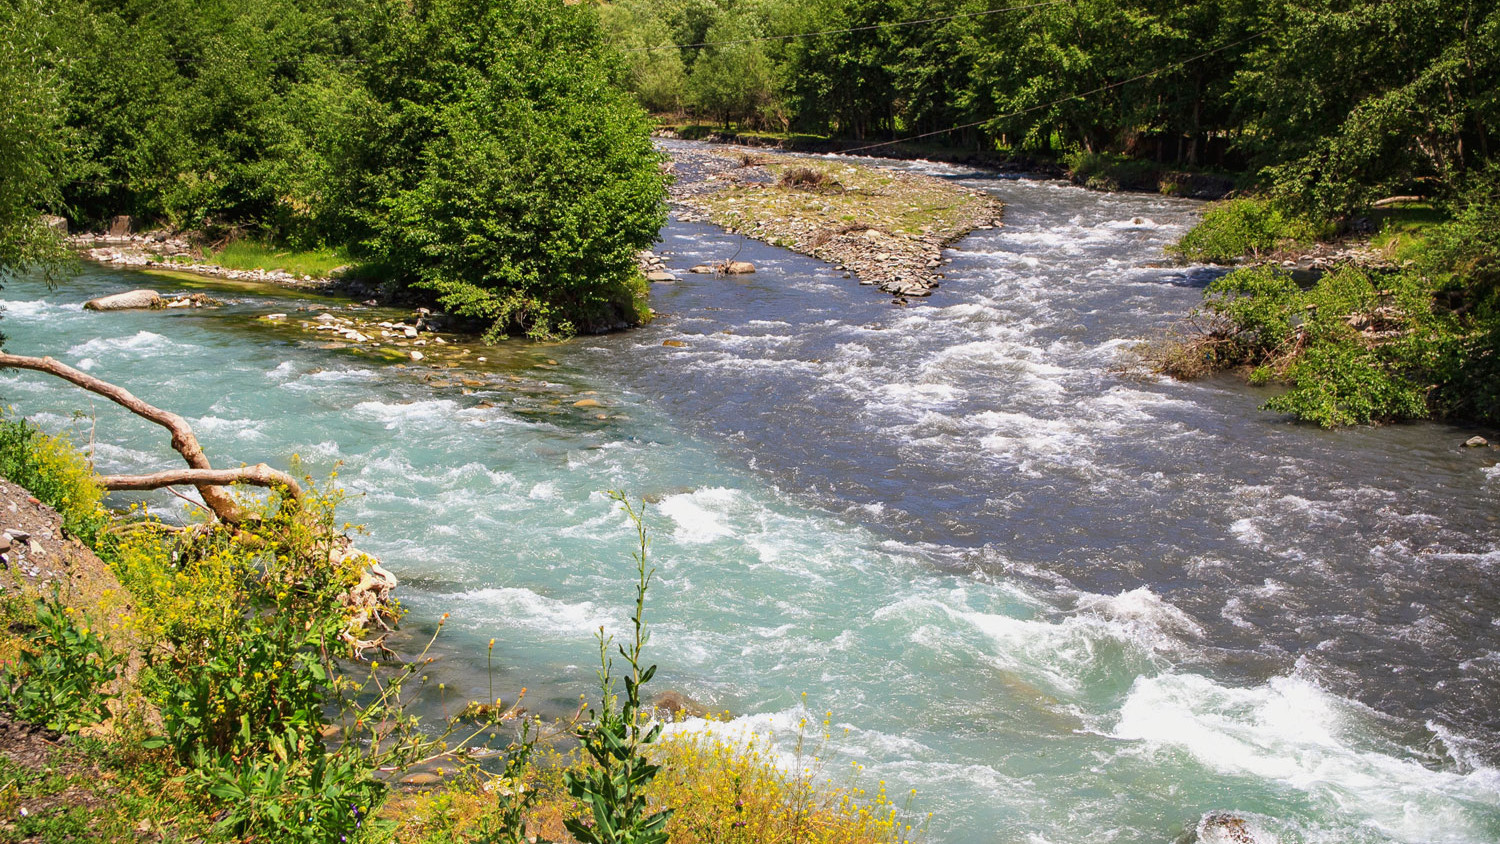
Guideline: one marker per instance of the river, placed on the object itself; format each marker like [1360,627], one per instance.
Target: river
[1062,602]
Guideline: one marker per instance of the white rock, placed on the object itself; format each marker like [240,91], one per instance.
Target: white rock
[131,300]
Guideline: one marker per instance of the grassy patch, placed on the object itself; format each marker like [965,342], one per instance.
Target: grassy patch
[838,194]
[254,255]
[1402,231]
[86,790]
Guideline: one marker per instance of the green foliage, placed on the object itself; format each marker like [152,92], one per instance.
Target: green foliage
[33,141]
[732,79]
[516,183]
[1337,384]
[58,476]
[653,69]
[63,675]
[294,792]
[613,789]
[1354,349]
[1261,304]
[1243,228]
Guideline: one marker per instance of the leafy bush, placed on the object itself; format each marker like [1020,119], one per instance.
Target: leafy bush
[57,474]
[62,676]
[1355,348]
[1243,227]
[1336,384]
[514,181]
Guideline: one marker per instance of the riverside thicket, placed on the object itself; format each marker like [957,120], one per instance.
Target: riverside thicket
[478,151]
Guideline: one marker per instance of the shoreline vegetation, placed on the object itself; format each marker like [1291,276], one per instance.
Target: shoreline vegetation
[1397,320]
[183,682]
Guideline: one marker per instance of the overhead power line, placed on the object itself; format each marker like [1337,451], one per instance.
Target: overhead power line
[1069,98]
[865,28]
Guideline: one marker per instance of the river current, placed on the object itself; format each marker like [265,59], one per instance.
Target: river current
[1063,602]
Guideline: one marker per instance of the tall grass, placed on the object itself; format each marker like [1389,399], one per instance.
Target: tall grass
[254,255]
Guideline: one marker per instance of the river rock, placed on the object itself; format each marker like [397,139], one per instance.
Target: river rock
[131,300]
[421,778]
[417,356]
[1476,442]
[121,226]
[660,277]
[676,344]
[674,703]
[1229,828]
[587,403]
[739,268]
[701,269]
[56,223]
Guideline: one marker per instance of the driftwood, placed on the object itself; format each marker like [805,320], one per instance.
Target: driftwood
[210,482]
[1392,200]
[368,602]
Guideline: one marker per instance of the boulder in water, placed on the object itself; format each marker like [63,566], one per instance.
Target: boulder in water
[132,300]
[1230,828]
[738,268]
[1476,442]
[677,704]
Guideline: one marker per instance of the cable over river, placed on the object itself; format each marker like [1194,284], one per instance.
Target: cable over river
[1062,603]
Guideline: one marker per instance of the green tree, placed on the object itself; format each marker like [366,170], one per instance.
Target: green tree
[654,70]
[32,138]
[506,173]
[733,78]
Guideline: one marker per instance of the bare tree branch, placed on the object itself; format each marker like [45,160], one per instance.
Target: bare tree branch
[214,495]
[257,475]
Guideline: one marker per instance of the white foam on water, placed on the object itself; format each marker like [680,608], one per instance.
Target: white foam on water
[1292,732]
[510,606]
[325,450]
[37,308]
[1147,617]
[767,735]
[243,429]
[110,455]
[139,342]
[1134,224]
[395,414]
[701,516]
[285,369]
[1246,531]
[1105,636]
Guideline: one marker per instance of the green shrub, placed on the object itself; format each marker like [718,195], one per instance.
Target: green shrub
[1243,227]
[515,182]
[63,674]
[57,474]
[1336,384]
[1355,348]
[1259,304]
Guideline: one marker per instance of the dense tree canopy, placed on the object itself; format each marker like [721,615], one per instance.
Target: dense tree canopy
[481,151]
[1336,102]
